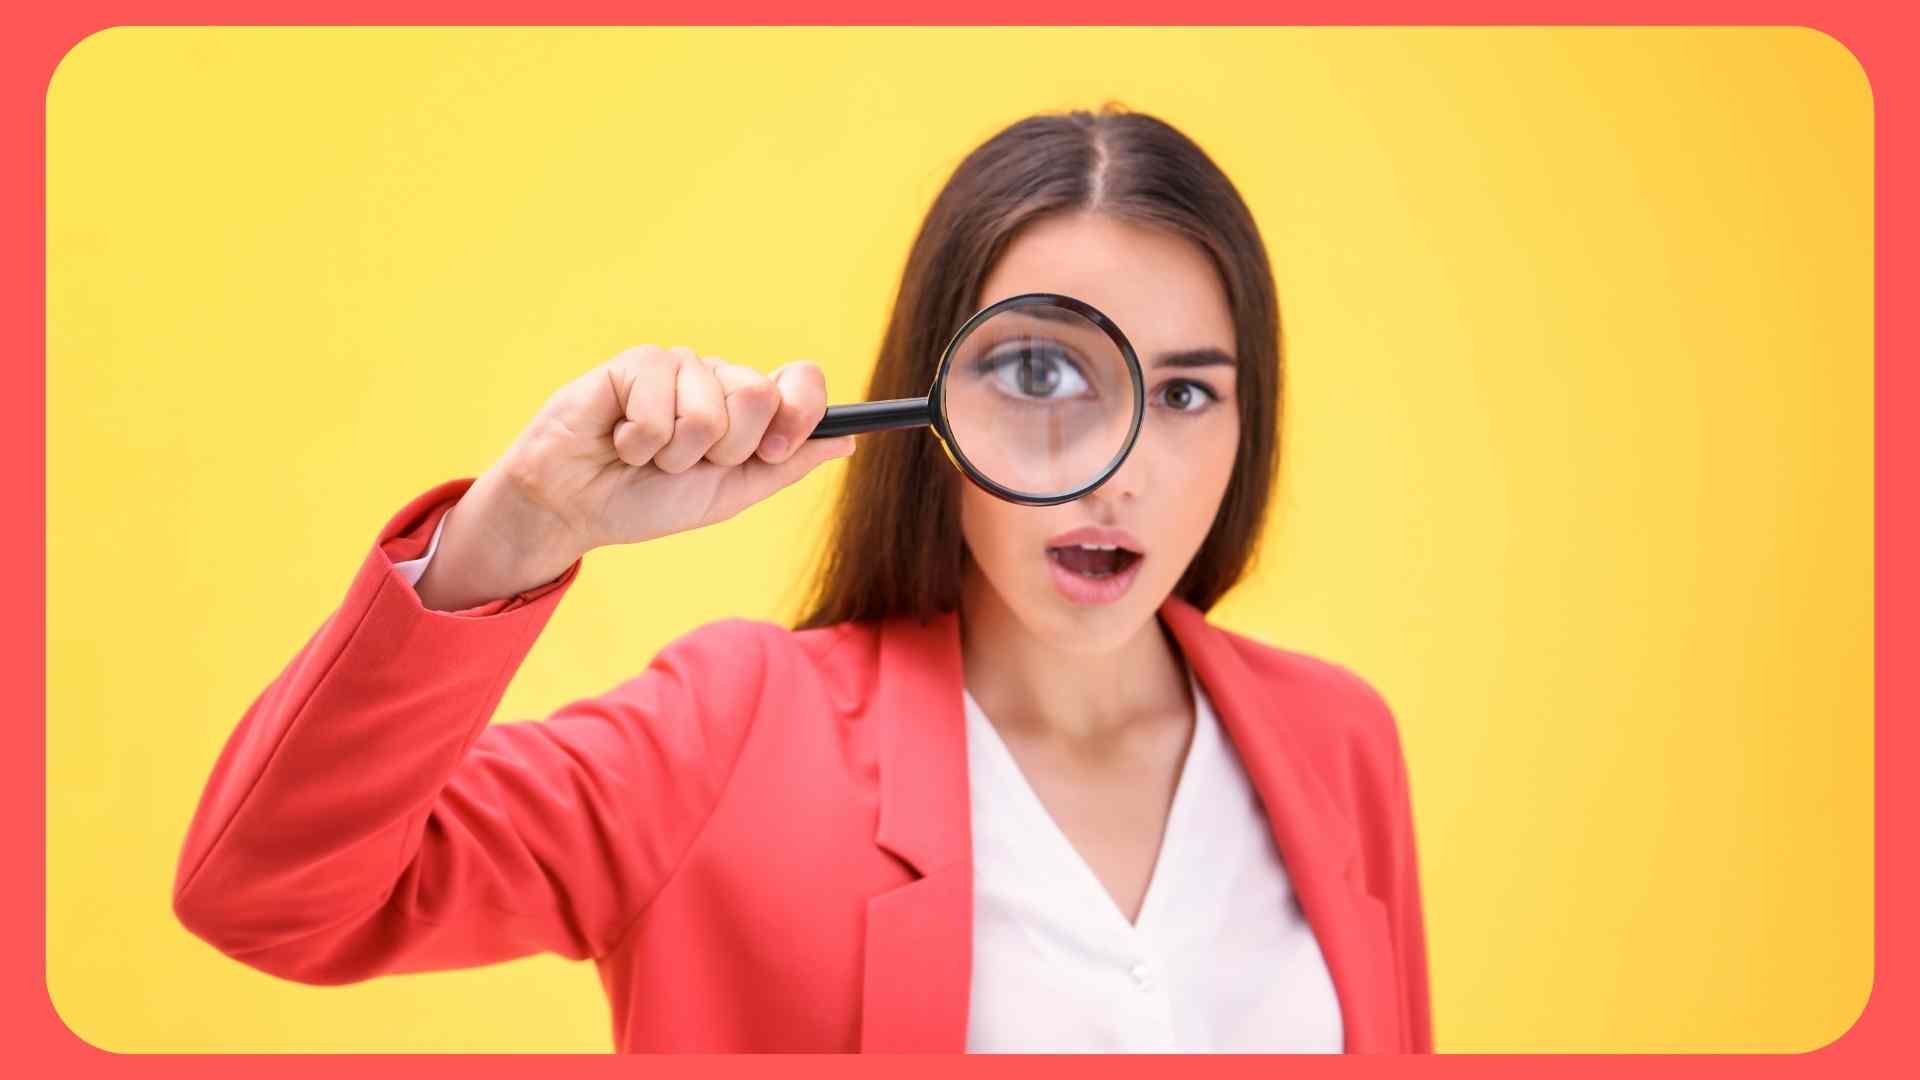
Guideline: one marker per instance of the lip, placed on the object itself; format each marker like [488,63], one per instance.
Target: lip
[1096,534]
[1090,592]
[1087,591]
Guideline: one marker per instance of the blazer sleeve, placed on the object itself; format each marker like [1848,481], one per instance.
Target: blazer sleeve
[365,816]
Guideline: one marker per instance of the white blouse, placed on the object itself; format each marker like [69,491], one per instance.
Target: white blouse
[1221,959]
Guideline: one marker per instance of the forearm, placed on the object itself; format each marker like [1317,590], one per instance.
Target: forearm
[326,782]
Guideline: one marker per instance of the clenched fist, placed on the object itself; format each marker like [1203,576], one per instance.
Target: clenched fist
[651,442]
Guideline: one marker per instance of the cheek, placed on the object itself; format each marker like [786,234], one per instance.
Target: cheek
[1208,462]
[1223,454]
[983,522]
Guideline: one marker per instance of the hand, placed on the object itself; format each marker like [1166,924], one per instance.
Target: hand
[651,442]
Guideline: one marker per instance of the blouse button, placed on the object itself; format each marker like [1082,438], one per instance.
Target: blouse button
[1142,976]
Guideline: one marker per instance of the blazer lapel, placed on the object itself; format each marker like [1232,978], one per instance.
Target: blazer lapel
[919,942]
[917,976]
[1318,840]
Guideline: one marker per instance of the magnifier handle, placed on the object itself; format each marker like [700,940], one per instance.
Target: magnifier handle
[866,416]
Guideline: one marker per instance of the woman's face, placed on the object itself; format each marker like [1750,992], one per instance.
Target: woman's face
[1164,293]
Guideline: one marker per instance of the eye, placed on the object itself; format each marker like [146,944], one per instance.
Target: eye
[1034,370]
[1180,393]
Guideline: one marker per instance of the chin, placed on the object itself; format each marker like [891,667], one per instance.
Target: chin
[1093,630]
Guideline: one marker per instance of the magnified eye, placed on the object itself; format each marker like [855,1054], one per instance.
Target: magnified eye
[1034,369]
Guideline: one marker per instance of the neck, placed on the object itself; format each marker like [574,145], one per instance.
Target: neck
[1065,690]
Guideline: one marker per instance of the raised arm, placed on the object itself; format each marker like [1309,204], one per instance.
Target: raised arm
[365,817]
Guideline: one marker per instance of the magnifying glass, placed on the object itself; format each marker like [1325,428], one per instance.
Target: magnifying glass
[1038,399]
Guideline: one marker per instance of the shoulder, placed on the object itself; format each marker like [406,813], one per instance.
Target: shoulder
[1342,725]
[720,636]
[1328,705]
[752,654]
[724,663]
[1306,677]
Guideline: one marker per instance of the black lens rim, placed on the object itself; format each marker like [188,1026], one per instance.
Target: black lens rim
[937,396]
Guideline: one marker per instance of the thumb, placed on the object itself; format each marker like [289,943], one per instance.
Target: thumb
[760,479]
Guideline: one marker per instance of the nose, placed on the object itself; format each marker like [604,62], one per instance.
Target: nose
[1133,478]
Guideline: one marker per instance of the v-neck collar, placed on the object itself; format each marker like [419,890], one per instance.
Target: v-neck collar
[1058,850]
[916,972]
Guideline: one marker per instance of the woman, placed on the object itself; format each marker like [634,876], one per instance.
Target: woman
[973,801]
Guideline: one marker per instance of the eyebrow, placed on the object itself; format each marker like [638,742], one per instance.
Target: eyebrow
[1180,358]
[1193,358]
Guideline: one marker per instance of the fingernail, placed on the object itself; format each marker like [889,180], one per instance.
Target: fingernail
[776,446]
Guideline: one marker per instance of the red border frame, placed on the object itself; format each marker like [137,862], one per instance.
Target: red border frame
[1875,33]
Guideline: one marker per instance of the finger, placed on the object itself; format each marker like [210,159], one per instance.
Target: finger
[642,380]
[803,401]
[592,401]
[699,414]
[752,399]
[756,479]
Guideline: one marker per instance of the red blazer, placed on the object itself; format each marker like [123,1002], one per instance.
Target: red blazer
[762,840]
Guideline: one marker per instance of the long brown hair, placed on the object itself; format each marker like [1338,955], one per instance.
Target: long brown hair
[895,544]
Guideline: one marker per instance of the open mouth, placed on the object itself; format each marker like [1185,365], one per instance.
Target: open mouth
[1093,561]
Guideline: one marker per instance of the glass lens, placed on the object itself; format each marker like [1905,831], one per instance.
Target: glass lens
[1039,399]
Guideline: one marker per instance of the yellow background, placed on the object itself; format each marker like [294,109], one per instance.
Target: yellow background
[1580,468]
